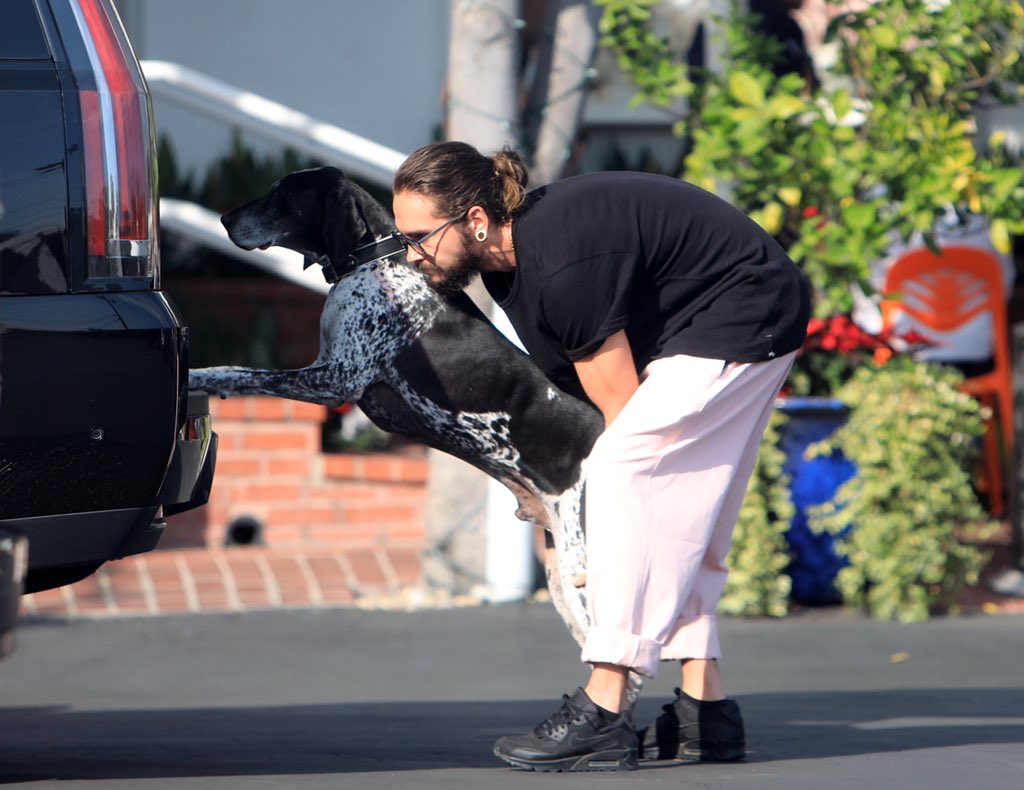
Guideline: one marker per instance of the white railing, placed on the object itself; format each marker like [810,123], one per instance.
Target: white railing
[213,98]
[356,155]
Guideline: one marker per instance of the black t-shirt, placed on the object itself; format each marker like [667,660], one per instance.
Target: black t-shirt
[681,270]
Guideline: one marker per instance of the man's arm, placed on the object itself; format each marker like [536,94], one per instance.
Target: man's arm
[609,376]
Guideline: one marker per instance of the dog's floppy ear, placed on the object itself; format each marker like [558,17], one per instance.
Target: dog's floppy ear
[345,227]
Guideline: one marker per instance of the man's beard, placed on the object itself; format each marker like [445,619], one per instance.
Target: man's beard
[454,279]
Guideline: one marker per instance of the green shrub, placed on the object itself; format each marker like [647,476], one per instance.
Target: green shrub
[757,586]
[912,435]
[238,176]
[880,149]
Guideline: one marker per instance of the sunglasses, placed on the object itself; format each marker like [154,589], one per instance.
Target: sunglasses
[417,244]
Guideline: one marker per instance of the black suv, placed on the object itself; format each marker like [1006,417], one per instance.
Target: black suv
[99,436]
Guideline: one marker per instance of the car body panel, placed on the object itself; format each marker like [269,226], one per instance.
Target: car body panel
[79,428]
[99,436]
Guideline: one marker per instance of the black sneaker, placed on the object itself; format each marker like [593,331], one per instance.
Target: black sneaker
[577,737]
[695,731]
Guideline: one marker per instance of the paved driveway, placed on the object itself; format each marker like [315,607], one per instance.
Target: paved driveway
[347,698]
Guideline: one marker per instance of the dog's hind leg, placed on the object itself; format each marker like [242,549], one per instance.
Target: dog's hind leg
[566,598]
[315,384]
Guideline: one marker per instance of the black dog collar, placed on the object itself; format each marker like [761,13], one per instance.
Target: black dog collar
[382,248]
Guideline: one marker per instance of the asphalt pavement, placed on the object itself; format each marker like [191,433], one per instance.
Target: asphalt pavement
[349,698]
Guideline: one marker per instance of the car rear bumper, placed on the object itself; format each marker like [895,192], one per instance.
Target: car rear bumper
[66,547]
[190,474]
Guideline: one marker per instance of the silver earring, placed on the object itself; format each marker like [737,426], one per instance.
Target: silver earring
[481,235]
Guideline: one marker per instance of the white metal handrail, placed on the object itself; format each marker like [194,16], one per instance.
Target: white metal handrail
[204,226]
[213,98]
[357,155]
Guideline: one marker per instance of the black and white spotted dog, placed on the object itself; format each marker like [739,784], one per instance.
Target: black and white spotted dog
[421,365]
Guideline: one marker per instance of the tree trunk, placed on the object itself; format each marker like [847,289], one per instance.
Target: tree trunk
[481,110]
[482,74]
[558,93]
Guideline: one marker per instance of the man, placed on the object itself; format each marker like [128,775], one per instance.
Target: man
[679,318]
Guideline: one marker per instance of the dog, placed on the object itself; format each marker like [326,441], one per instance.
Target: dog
[422,365]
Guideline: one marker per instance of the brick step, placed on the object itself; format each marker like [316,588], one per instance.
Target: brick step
[235,579]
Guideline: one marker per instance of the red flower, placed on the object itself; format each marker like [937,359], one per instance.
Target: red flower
[836,346]
[833,349]
[815,325]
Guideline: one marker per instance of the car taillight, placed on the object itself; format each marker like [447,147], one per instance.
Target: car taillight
[120,155]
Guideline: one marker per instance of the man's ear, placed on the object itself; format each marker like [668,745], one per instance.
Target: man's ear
[477,219]
[344,227]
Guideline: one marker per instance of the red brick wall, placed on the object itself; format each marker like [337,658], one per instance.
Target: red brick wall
[230,319]
[270,467]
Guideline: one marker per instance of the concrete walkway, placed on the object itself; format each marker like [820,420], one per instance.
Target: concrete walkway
[342,698]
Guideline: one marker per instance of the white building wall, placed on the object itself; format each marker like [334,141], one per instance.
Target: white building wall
[372,67]
[375,68]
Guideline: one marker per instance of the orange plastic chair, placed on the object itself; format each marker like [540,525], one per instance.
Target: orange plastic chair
[943,292]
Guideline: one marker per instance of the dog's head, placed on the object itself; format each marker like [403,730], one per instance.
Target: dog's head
[319,213]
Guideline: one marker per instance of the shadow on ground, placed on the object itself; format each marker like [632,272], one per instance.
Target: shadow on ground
[60,744]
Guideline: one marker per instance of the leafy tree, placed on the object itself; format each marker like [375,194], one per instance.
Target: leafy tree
[879,149]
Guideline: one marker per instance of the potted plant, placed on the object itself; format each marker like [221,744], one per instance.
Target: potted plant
[832,352]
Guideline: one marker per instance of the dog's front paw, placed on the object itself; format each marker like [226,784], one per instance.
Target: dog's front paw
[199,380]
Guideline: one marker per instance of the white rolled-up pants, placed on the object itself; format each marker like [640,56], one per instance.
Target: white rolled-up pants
[665,482]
